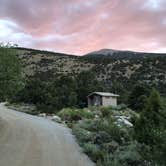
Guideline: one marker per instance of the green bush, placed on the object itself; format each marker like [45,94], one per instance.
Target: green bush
[70,115]
[42,108]
[83,135]
[110,146]
[87,124]
[11,79]
[114,131]
[93,151]
[129,154]
[102,137]
[106,111]
[108,161]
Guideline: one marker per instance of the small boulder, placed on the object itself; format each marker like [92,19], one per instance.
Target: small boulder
[56,119]
[42,115]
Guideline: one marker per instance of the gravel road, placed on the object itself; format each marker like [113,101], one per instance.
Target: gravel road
[27,140]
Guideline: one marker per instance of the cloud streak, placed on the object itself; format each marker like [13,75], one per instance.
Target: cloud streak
[78,27]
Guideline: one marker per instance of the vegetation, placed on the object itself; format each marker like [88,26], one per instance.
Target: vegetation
[106,139]
[115,136]
[11,80]
[150,129]
[87,83]
[138,97]
[119,72]
[59,93]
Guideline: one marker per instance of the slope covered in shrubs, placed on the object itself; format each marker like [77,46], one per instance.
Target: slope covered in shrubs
[103,135]
[118,136]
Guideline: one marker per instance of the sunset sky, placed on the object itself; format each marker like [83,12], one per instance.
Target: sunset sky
[82,26]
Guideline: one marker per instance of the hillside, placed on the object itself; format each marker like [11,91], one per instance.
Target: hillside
[120,70]
[47,65]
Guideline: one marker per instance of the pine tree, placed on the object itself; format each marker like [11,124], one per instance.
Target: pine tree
[138,97]
[10,73]
[150,128]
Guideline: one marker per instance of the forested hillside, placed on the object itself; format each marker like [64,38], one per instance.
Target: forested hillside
[68,79]
[120,71]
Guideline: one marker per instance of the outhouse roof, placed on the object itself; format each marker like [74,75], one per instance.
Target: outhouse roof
[107,94]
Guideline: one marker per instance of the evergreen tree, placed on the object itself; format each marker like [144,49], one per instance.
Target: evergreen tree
[10,74]
[87,83]
[34,92]
[150,128]
[138,97]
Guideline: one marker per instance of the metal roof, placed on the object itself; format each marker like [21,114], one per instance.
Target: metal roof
[107,94]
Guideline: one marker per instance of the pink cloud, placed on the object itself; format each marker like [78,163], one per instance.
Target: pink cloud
[78,27]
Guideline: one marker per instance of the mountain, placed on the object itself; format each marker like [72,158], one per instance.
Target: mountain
[119,54]
[104,52]
[120,70]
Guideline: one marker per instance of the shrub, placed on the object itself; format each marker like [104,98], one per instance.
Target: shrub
[106,111]
[83,135]
[121,107]
[110,146]
[70,115]
[93,151]
[87,124]
[129,154]
[108,161]
[42,108]
[115,132]
[85,113]
[102,137]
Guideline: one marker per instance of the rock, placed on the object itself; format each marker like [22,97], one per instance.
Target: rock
[123,120]
[56,119]
[96,116]
[42,115]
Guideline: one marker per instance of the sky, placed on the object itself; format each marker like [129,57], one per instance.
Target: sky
[82,26]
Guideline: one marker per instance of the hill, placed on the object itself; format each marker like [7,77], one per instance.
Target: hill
[120,70]
[119,54]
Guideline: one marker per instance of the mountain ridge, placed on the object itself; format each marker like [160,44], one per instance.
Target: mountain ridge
[116,50]
[120,53]
[104,51]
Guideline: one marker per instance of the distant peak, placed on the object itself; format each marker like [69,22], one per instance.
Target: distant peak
[104,52]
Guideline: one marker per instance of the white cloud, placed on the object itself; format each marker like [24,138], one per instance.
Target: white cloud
[11,32]
[153,4]
[6,28]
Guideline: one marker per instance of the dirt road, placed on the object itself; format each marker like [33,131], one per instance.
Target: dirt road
[27,140]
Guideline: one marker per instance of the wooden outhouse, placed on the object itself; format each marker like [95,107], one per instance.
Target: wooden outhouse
[102,99]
